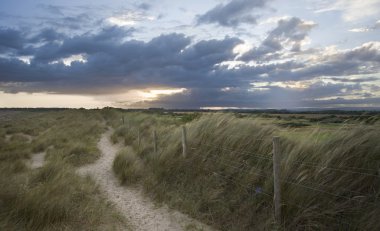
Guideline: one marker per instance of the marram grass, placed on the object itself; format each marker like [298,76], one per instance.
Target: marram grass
[330,179]
[53,197]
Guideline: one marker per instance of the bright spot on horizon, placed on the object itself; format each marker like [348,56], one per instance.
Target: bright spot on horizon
[30,100]
[155,93]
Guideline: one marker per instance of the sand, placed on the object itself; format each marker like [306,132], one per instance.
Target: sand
[140,211]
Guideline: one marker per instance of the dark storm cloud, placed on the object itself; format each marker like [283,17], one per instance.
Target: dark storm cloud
[115,62]
[289,32]
[81,21]
[11,39]
[233,13]
[47,35]
[106,39]
[268,97]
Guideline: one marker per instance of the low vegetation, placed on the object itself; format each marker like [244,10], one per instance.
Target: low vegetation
[52,197]
[329,168]
[329,174]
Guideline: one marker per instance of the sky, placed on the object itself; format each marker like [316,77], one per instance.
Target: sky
[208,54]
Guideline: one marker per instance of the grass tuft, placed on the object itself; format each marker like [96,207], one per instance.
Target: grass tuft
[226,179]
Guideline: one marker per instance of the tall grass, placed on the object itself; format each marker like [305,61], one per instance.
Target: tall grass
[226,179]
[53,197]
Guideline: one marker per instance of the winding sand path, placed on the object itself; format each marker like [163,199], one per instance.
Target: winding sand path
[141,212]
[37,160]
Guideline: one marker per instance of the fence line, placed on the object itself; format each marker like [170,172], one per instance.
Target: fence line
[262,192]
[331,168]
[308,164]
[244,163]
[247,153]
[277,180]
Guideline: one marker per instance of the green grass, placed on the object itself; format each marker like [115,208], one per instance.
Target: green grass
[53,197]
[128,166]
[226,179]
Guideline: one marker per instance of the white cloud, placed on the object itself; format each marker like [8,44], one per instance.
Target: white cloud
[73,58]
[129,19]
[25,59]
[352,10]
[120,21]
[274,20]
[23,99]
[359,30]
[375,26]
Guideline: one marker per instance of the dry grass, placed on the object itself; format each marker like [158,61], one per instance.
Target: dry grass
[53,197]
[226,180]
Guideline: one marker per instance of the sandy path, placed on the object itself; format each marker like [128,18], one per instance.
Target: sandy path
[28,138]
[140,210]
[37,160]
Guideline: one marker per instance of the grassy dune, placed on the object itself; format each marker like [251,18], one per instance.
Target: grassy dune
[53,197]
[329,177]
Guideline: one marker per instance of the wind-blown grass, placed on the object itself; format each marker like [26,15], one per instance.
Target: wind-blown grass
[53,197]
[330,180]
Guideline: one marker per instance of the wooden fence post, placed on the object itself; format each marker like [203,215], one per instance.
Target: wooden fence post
[138,138]
[155,142]
[184,142]
[122,118]
[276,179]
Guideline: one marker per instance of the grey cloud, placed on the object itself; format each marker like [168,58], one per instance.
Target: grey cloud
[144,6]
[290,31]
[377,25]
[11,39]
[362,60]
[273,97]
[106,38]
[53,9]
[116,63]
[233,13]
[47,35]
[293,30]
[372,28]
[355,80]
[165,60]
[81,21]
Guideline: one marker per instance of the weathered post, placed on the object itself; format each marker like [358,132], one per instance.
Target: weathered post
[276,179]
[155,142]
[122,118]
[184,142]
[138,139]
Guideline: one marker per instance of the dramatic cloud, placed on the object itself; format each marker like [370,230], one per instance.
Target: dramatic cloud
[233,13]
[290,33]
[10,39]
[165,60]
[263,97]
[123,55]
